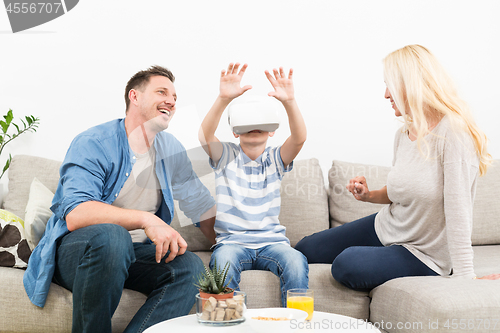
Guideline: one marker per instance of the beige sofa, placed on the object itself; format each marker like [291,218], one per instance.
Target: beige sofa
[406,304]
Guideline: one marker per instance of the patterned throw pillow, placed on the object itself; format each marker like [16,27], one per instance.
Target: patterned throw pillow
[14,249]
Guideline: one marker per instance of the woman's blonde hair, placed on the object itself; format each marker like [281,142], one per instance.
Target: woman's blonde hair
[424,92]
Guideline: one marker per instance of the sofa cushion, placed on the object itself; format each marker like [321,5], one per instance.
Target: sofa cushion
[428,301]
[486,226]
[343,207]
[263,290]
[37,212]
[18,314]
[331,296]
[304,204]
[14,248]
[22,170]
[486,259]
[434,304]
[304,200]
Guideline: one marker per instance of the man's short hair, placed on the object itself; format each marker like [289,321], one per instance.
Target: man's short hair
[140,79]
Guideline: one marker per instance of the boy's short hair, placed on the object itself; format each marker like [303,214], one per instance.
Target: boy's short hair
[141,78]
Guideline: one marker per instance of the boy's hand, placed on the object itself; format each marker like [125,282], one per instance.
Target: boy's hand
[230,81]
[283,86]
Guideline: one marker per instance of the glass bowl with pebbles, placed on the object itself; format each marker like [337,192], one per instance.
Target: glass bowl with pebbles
[222,312]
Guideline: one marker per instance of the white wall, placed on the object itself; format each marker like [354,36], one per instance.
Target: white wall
[72,72]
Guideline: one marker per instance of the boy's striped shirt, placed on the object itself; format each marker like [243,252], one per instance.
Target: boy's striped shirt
[248,197]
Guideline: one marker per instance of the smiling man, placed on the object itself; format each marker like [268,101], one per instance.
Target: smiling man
[111,215]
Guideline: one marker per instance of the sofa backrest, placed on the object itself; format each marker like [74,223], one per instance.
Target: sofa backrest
[23,169]
[344,208]
[304,202]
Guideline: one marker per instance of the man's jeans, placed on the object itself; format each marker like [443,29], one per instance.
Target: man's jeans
[98,261]
[284,261]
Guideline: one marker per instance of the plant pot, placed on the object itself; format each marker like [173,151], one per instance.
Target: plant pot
[221,309]
[205,295]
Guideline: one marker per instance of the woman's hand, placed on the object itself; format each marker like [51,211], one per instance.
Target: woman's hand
[490,277]
[359,188]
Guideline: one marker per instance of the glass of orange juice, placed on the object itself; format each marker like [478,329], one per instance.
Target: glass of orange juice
[302,299]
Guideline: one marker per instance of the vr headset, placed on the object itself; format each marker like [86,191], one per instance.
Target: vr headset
[254,113]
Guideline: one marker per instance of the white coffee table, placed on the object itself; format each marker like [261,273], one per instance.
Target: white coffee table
[321,322]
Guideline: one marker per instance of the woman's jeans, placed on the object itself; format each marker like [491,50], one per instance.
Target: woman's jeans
[281,259]
[98,261]
[359,260]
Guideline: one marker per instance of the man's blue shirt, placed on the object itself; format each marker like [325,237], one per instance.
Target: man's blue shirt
[96,166]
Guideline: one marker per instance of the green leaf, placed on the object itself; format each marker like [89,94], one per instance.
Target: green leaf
[4,125]
[17,127]
[29,120]
[7,164]
[9,116]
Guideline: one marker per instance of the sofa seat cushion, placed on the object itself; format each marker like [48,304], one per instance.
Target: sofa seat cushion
[431,300]
[263,291]
[427,304]
[331,296]
[20,315]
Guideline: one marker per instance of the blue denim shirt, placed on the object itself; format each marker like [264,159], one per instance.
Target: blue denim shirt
[96,166]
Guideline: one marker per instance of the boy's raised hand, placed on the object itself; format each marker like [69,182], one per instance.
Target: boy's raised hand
[283,86]
[230,81]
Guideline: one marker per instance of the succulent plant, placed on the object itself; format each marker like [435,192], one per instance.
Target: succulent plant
[213,281]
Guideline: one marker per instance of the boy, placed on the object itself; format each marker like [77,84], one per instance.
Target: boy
[248,177]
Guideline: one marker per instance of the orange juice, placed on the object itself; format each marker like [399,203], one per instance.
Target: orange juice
[304,303]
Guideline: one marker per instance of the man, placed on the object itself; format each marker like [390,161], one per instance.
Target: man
[117,177]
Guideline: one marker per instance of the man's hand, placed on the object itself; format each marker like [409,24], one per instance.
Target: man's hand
[230,81]
[165,238]
[283,86]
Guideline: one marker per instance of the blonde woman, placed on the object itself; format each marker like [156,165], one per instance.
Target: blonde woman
[425,229]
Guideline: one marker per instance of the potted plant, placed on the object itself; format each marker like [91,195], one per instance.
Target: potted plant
[212,282]
[216,302]
[30,125]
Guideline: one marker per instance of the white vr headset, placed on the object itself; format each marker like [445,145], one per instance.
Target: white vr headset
[254,113]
